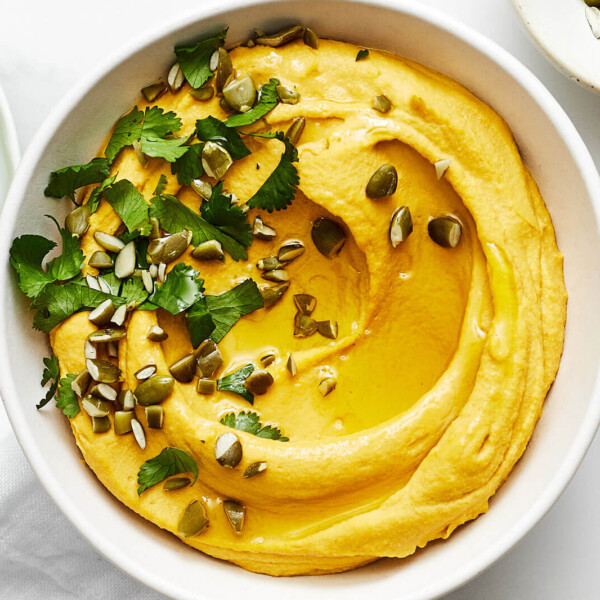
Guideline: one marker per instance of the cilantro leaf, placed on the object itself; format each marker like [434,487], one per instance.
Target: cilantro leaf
[228,217]
[57,302]
[235,383]
[97,193]
[194,60]
[65,181]
[278,191]
[133,290]
[199,322]
[161,185]
[51,373]
[213,130]
[158,123]
[227,308]
[130,205]
[267,101]
[250,422]
[66,397]
[127,130]
[362,54]
[168,148]
[180,290]
[170,461]
[27,254]
[189,166]
[175,216]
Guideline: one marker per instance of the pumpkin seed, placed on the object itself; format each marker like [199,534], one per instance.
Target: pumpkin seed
[328,329]
[206,92]
[258,382]
[119,315]
[138,433]
[108,242]
[154,390]
[123,420]
[103,284]
[155,232]
[268,359]
[184,369]
[176,78]
[225,106]
[125,262]
[105,391]
[290,251]
[77,221]
[157,334]
[228,450]
[112,350]
[103,371]
[382,104]
[441,166]
[162,272]
[327,385]
[193,521]
[236,513]
[209,250]
[328,237]
[224,69]
[277,275]
[202,188]
[287,95]
[304,326]
[145,372]
[383,182]
[240,94]
[153,270]
[291,365]
[401,225]
[445,231]
[103,313]
[100,424]
[255,469]
[92,282]
[272,294]
[100,260]
[216,160]
[305,303]
[209,359]
[126,399]
[89,350]
[176,483]
[147,281]
[295,130]
[155,416]
[206,387]
[269,263]
[169,248]
[80,384]
[262,231]
[310,38]
[153,91]
[281,37]
[139,154]
[95,407]
[101,336]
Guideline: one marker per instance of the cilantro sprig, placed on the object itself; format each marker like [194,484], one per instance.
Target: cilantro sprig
[195,60]
[189,166]
[66,397]
[130,205]
[51,373]
[64,182]
[267,101]
[169,462]
[250,423]
[181,289]
[235,381]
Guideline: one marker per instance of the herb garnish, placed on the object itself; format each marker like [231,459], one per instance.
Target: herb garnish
[235,383]
[66,397]
[130,205]
[65,181]
[189,166]
[170,461]
[51,373]
[362,54]
[213,130]
[250,422]
[194,60]
[267,101]
[181,289]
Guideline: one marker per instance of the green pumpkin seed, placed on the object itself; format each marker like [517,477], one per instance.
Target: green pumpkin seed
[328,237]
[202,188]
[441,166]
[206,387]
[176,483]
[287,95]
[268,359]
[104,287]
[224,68]
[401,225]
[272,294]
[81,383]
[382,104]
[184,369]
[295,130]
[125,261]
[327,385]
[209,360]
[240,94]
[328,329]
[236,513]
[154,390]
[445,231]
[305,303]
[228,450]
[258,382]
[290,251]
[138,433]
[304,326]
[112,350]
[216,160]
[77,221]
[176,78]
[145,372]
[123,420]
[281,37]
[153,91]
[255,469]
[126,400]
[100,424]
[106,335]
[104,391]
[169,248]
[193,521]
[100,260]
[108,242]
[277,275]
[119,315]
[291,365]
[262,231]
[155,416]
[89,350]
[269,263]
[310,38]
[209,250]
[103,313]
[103,371]
[92,282]
[162,272]
[95,407]
[139,154]
[383,182]
[157,334]
[147,281]
[225,106]
[155,232]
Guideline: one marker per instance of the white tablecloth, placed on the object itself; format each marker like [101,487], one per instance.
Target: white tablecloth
[44,47]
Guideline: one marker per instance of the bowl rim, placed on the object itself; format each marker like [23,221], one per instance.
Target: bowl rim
[434,17]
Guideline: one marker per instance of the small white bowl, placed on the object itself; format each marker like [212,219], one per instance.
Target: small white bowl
[560,163]
[561,30]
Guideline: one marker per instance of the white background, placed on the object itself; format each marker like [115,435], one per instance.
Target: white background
[45,46]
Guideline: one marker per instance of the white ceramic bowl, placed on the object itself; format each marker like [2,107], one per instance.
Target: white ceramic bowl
[568,180]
